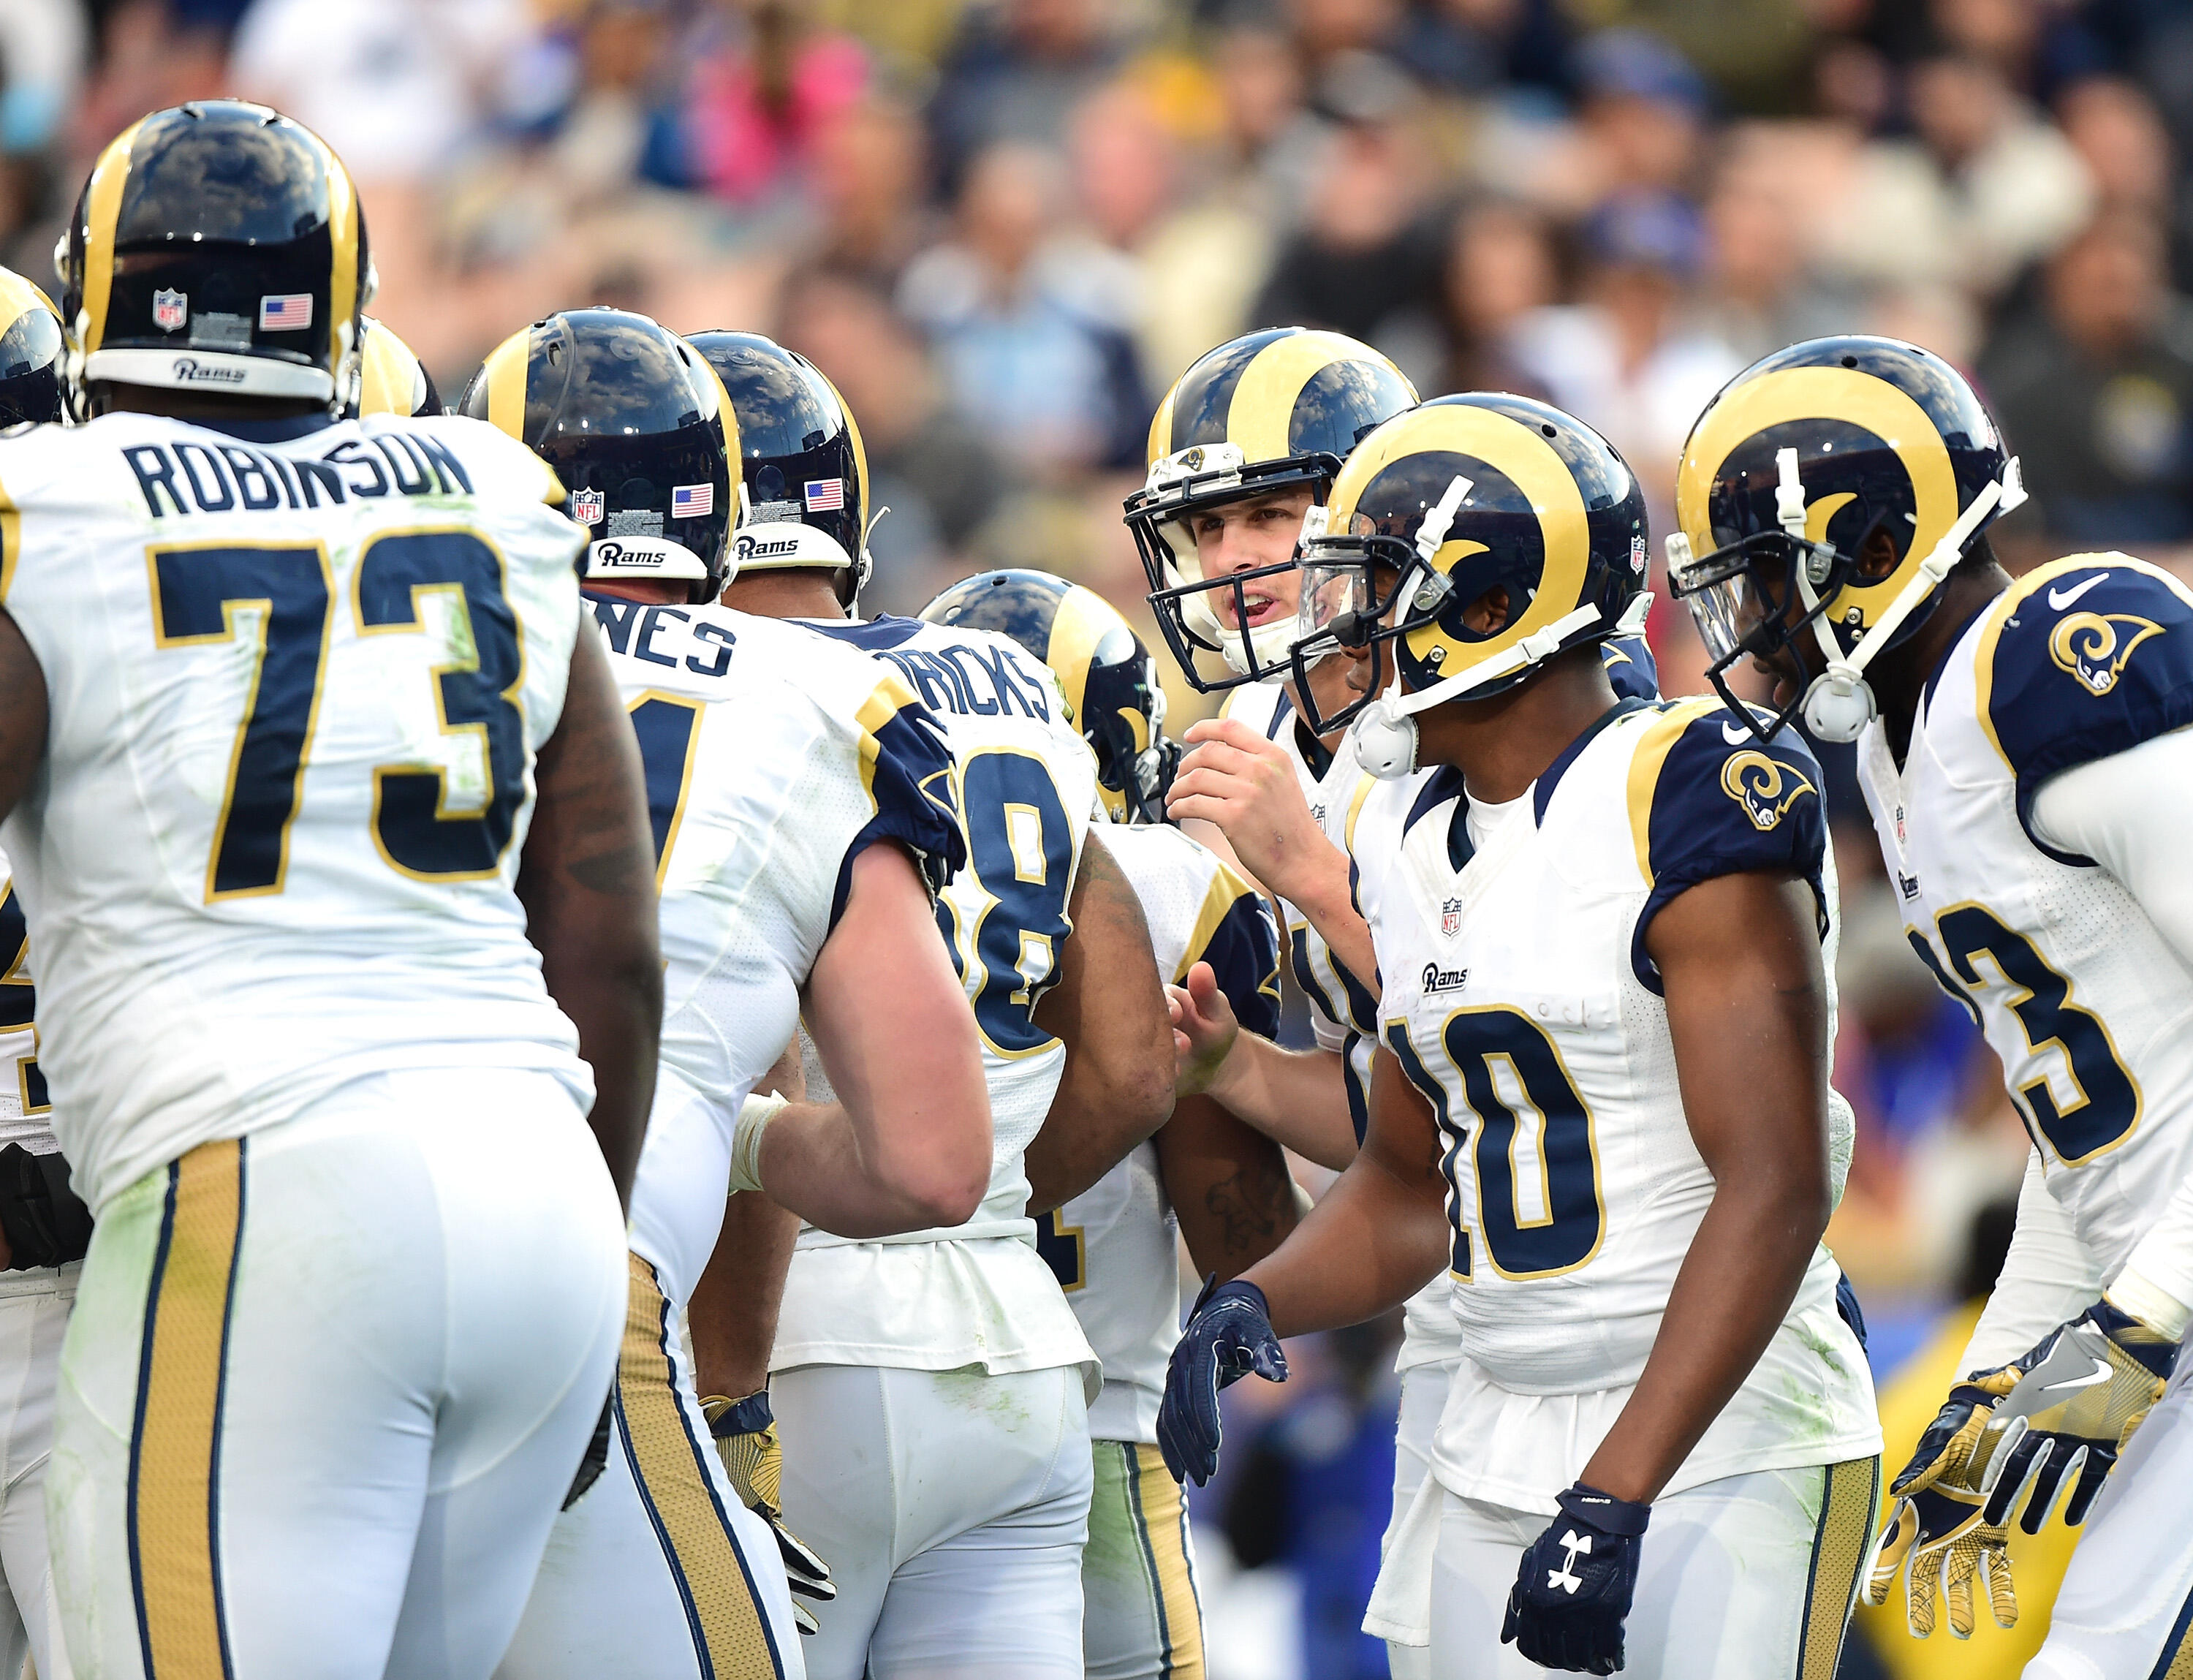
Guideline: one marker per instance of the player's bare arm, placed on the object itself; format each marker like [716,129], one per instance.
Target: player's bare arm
[732,1317]
[1109,1011]
[586,879]
[1228,1186]
[1244,787]
[1747,1007]
[22,713]
[1296,1098]
[907,1143]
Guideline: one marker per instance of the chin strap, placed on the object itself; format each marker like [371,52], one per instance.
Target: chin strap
[1385,737]
[1840,703]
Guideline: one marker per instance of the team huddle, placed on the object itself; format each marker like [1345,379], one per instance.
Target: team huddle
[504,1176]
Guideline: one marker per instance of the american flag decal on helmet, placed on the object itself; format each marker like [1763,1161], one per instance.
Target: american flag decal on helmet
[692,501]
[826,496]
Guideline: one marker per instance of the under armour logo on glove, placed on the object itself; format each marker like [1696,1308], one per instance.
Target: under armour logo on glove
[1572,1543]
[1587,1559]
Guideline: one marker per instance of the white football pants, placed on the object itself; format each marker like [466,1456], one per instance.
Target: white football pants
[1142,1618]
[659,1572]
[325,1387]
[1423,1397]
[952,1507]
[34,1312]
[1749,1577]
[2125,1607]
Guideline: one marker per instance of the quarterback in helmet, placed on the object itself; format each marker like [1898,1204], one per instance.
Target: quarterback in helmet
[2021,747]
[1625,1196]
[952,1344]
[332,843]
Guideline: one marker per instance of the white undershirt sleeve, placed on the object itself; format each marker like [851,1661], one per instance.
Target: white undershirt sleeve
[2130,813]
[2047,1278]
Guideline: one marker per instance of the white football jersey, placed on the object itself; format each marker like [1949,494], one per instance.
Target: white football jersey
[1114,1247]
[2083,1000]
[298,672]
[1519,998]
[774,758]
[26,1109]
[975,1294]
[1344,1009]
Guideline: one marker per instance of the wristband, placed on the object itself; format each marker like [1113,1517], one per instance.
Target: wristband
[749,1416]
[754,1117]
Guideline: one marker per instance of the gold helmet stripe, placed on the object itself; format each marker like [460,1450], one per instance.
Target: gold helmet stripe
[506,371]
[343,251]
[1160,440]
[1826,394]
[391,382]
[18,296]
[102,209]
[1531,464]
[860,456]
[1083,619]
[1260,417]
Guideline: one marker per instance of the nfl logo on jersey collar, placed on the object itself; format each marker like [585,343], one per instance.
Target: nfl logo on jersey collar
[1451,917]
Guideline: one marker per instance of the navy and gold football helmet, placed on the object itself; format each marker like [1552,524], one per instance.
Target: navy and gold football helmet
[1269,410]
[640,430]
[31,349]
[1800,463]
[217,247]
[1110,682]
[805,473]
[1439,507]
[391,379]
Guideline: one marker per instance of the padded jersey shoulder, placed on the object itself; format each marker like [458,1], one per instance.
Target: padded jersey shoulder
[2080,659]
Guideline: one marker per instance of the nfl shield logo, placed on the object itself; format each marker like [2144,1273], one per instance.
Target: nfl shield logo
[169,310]
[1450,916]
[587,507]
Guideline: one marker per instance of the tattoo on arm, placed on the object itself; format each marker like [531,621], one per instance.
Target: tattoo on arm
[1249,1202]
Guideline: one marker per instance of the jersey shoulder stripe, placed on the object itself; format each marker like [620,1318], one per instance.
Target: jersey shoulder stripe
[1264,706]
[1706,799]
[907,768]
[1630,668]
[2080,659]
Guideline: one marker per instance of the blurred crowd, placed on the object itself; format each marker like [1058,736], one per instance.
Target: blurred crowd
[1004,227]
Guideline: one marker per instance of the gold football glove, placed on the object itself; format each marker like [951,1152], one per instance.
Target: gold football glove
[1937,1534]
[2080,1395]
[754,1457]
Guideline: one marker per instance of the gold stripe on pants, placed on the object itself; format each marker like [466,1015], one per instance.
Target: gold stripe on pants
[731,1637]
[1161,1520]
[1848,1504]
[175,1444]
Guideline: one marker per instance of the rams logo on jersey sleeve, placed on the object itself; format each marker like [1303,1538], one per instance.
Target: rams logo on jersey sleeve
[1763,787]
[2093,646]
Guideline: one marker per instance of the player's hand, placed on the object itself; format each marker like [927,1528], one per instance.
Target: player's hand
[1204,1029]
[752,1453]
[1571,1594]
[1233,776]
[1937,1534]
[1228,1334]
[2082,1393]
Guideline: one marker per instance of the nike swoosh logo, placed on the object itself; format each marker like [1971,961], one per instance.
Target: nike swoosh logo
[2060,599]
[1735,734]
[2100,1373]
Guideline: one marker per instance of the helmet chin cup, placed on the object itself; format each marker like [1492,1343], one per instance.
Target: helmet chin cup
[1385,741]
[1839,705]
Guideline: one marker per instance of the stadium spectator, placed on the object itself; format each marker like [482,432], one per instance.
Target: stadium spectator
[1014,73]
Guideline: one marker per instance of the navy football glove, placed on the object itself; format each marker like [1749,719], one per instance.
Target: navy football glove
[1228,1335]
[1572,1593]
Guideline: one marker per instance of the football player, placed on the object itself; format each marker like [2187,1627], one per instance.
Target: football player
[390,380]
[44,1227]
[332,841]
[1626,1190]
[1204,1176]
[2022,748]
[952,1346]
[750,731]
